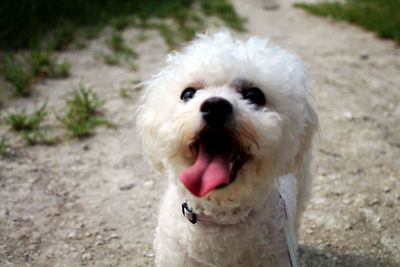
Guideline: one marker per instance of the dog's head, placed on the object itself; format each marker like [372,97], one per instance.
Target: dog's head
[224,117]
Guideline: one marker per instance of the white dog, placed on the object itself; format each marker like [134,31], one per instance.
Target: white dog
[230,125]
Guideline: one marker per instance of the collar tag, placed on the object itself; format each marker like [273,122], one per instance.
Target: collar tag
[189,213]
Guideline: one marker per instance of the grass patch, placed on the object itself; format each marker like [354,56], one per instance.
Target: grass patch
[117,44]
[3,146]
[83,112]
[122,22]
[119,52]
[23,69]
[39,137]
[15,72]
[123,92]
[60,37]
[21,121]
[168,34]
[44,64]
[109,58]
[28,22]
[225,11]
[379,16]
[28,125]
[187,21]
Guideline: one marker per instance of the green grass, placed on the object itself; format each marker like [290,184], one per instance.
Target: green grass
[60,37]
[123,92]
[167,33]
[15,72]
[44,64]
[225,11]
[28,22]
[119,51]
[21,121]
[122,22]
[44,26]
[39,137]
[109,58]
[83,112]
[117,44]
[29,125]
[3,146]
[186,22]
[379,16]
[23,69]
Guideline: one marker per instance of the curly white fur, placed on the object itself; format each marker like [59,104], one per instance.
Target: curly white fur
[278,138]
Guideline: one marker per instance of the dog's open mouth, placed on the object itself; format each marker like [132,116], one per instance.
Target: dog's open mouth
[219,157]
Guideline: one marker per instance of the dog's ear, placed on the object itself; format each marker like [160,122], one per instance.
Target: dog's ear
[299,77]
[311,125]
[146,123]
[302,161]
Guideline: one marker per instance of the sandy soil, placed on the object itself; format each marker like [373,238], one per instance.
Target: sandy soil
[93,202]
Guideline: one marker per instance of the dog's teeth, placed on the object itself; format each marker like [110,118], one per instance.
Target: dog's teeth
[230,166]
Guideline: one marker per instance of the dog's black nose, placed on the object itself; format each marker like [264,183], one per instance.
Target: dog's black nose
[216,111]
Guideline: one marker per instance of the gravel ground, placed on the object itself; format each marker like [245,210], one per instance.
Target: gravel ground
[93,202]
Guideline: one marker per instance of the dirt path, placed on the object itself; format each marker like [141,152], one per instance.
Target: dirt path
[94,202]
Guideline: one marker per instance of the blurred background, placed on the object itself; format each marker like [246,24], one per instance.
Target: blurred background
[75,189]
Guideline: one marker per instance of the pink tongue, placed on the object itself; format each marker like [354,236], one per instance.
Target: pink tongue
[207,173]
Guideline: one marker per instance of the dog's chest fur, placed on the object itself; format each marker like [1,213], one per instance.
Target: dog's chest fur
[257,241]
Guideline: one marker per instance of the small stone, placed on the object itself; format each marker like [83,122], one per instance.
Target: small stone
[72,235]
[348,115]
[348,227]
[374,202]
[149,183]
[387,189]
[347,201]
[85,147]
[113,236]
[366,118]
[87,256]
[126,187]
[364,56]
[338,193]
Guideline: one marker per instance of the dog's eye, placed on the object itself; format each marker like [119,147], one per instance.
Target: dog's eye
[188,94]
[254,95]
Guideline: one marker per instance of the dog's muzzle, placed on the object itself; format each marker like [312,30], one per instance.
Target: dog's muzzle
[216,111]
